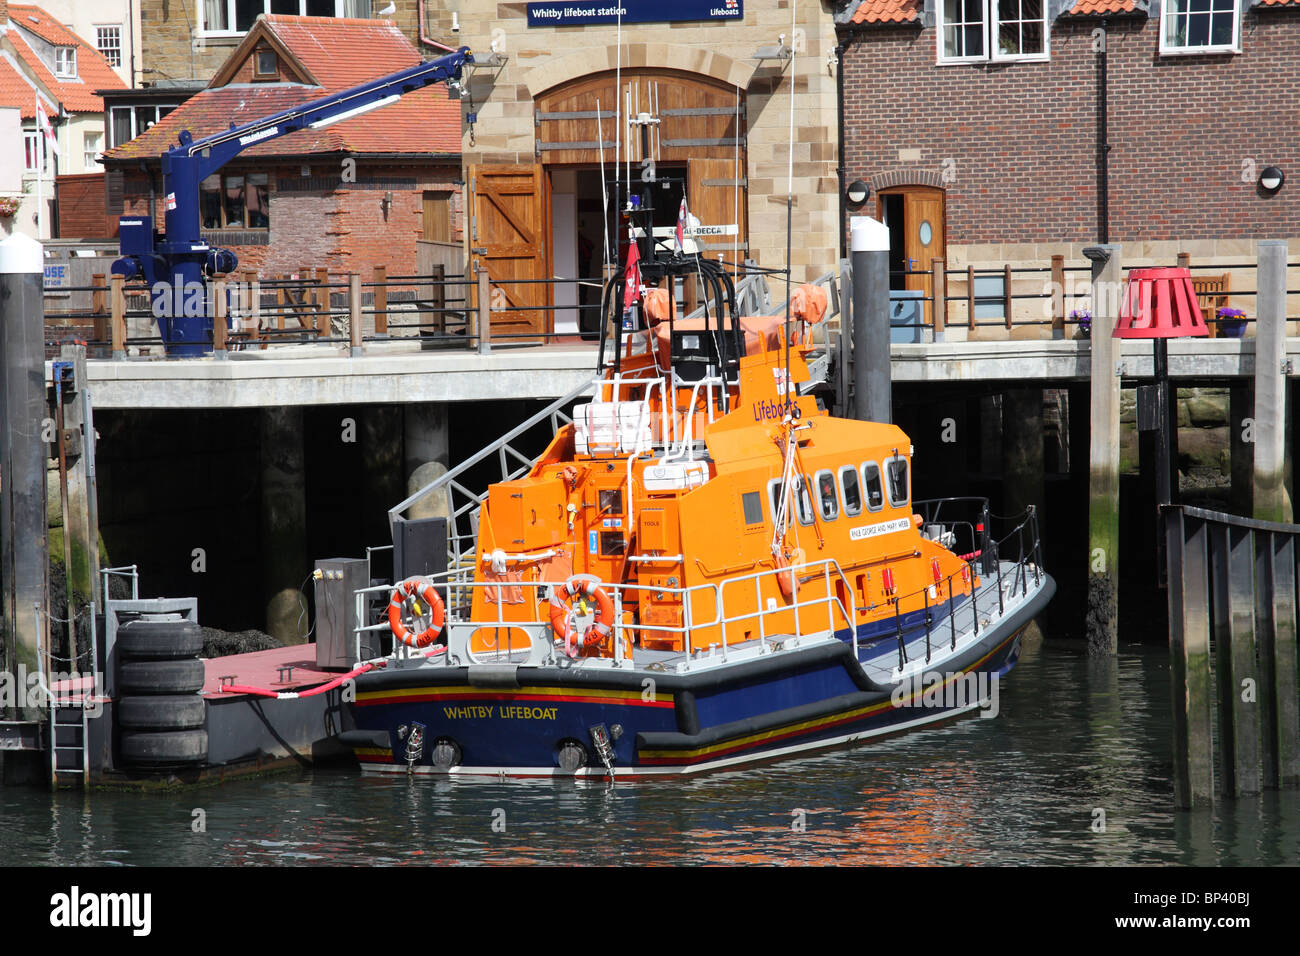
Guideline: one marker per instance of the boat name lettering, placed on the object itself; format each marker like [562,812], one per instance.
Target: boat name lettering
[505,712]
[885,527]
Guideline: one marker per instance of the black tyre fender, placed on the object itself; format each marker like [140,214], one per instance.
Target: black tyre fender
[161,677]
[162,712]
[160,640]
[170,747]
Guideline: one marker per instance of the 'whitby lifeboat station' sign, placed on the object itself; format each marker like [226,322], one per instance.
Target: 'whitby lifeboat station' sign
[570,13]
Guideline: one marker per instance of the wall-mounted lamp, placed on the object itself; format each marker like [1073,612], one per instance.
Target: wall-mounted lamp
[386,203]
[1271,179]
[856,195]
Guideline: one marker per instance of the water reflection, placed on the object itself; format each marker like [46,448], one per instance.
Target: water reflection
[1074,737]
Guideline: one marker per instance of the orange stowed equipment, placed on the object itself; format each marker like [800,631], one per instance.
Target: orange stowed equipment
[786,560]
[582,587]
[887,580]
[411,590]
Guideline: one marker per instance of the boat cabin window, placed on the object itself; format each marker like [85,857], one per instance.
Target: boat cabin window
[826,498]
[803,508]
[851,490]
[752,505]
[896,471]
[774,492]
[611,501]
[875,492]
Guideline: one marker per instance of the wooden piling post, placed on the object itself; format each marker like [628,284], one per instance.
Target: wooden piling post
[1058,297]
[1103,452]
[354,314]
[1189,658]
[381,300]
[1270,497]
[252,323]
[970,297]
[1282,734]
[323,323]
[99,306]
[484,313]
[436,321]
[939,289]
[117,316]
[1006,294]
[219,319]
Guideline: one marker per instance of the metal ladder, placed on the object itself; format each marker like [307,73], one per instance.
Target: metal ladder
[68,736]
[463,501]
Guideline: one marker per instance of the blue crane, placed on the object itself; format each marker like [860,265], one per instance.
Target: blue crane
[181,260]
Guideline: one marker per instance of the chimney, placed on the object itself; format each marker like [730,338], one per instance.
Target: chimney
[4,13]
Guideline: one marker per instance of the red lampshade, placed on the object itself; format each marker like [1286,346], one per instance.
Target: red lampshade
[1159,304]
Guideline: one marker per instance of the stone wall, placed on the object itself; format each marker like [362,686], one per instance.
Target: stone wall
[540,58]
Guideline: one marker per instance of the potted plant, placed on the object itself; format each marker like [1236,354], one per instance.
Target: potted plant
[9,205]
[1232,322]
[1084,318]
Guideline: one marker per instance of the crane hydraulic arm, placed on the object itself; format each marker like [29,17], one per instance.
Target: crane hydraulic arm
[175,265]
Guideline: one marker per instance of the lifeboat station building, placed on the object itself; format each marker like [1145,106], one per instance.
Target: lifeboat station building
[711,83]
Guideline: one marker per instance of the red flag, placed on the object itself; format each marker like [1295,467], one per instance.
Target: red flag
[632,273]
[681,226]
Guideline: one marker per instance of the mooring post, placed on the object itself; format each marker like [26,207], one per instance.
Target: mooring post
[284,516]
[1189,658]
[1271,502]
[869,242]
[80,526]
[1103,452]
[24,431]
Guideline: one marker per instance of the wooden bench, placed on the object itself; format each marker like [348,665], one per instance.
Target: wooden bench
[1212,295]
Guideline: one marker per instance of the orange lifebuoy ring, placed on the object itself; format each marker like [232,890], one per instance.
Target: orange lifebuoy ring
[414,589]
[562,600]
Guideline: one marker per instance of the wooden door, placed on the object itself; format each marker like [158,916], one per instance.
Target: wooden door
[508,237]
[717,196]
[923,235]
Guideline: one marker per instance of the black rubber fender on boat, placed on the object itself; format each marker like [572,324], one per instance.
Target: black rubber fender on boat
[164,749]
[159,640]
[365,738]
[161,677]
[162,712]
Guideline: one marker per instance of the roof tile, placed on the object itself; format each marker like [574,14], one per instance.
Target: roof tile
[93,72]
[887,11]
[341,53]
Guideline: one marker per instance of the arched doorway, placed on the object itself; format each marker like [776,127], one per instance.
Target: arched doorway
[552,217]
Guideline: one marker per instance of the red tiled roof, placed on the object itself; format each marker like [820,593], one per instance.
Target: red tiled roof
[16,91]
[1279,3]
[93,72]
[887,11]
[340,53]
[1086,8]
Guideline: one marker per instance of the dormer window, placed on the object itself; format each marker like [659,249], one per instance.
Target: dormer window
[65,61]
[264,63]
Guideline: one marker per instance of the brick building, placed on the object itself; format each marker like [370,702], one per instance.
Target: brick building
[999,149]
[349,196]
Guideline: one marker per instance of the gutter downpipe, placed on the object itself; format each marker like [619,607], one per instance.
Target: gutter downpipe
[424,38]
[1103,142]
[846,41]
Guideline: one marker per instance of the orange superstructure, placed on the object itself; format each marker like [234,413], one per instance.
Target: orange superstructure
[692,496]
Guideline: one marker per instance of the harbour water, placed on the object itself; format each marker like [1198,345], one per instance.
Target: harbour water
[1075,770]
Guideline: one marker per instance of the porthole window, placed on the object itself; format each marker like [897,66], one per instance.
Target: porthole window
[851,489]
[875,490]
[827,500]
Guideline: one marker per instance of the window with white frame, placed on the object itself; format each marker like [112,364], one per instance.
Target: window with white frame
[65,61]
[1200,26]
[237,16]
[973,31]
[91,144]
[33,151]
[108,40]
